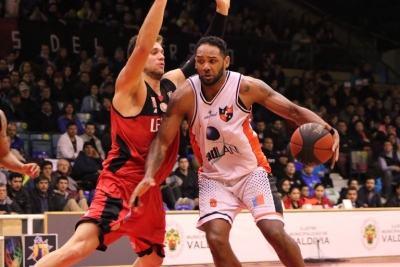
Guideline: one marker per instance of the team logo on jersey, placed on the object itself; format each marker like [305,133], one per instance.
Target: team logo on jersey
[226,113]
[163,107]
[221,148]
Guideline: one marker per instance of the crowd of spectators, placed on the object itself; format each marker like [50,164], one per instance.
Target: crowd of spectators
[47,92]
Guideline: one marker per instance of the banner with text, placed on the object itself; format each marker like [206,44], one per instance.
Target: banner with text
[319,234]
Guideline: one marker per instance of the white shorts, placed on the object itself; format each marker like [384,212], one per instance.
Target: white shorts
[221,199]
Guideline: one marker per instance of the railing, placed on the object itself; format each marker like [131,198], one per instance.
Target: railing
[29,217]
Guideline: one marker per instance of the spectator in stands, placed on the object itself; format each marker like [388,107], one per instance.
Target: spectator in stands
[394,198]
[14,78]
[352,195]
[344,149]
[88,165]
[44,199]
[69,117]
[89,136]
[185,147]
[16,142]
[3,68]
[367,195]
[276,160]
[64,168]
[283,187]
[360,139]
[80,89]
[389,164]
[310,179]
[304,192]
[15,152]
[189,187]
[46,169]
[61,60]
[91,102]
[292,175]
[28,106]
[71,203]
[7,206]
[69,145]
[12,106]
[60,90]
[46,120]
[171,191]
[277,134]
[103,115]
[118,62]
[261,130]
[5,85]
[67,77]
[17,193]
[103,70]
[293,201]
[44,60]
[353,182]
[319,198]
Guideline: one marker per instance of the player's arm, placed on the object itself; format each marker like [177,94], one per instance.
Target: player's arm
[8,160]
[254,90]
[216,28]
[131,74]
[179,106]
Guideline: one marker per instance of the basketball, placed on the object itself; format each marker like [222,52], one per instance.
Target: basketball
[311,144]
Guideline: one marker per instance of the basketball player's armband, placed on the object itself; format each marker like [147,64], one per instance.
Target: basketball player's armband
[332,131]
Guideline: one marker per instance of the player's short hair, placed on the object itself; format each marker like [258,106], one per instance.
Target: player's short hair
[132,44]
[214,41]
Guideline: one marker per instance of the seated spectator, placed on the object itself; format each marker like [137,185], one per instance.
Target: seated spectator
[310,179]
[367,195]
[88,166]
[293,201]
[304,192]
[352,195]
[189,187]
[7,206]
[318,197]
[46,120]
[89,136]
[44,199]
[46,169]
[71,204]
[343,192]
[344,149]
[17,193]
[185,147]
[16,142]
[15,152]
[171,191]
[12,108]
[360,139]
[389,164]
[277,134]
[394,198]
[276,160]
[64,169]
[68,117]
[283,188]
[292,175]
[91,102]
[103,115]
[69,145]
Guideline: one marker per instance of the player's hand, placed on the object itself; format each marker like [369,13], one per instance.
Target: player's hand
[31,169]
[140,189]
[335,147]
[223,6]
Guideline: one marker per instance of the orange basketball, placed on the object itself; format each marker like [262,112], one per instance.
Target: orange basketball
[311,144]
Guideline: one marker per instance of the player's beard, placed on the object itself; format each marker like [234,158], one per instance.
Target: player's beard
[213,81]
[154,74]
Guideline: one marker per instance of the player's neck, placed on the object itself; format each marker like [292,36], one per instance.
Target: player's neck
[211,91]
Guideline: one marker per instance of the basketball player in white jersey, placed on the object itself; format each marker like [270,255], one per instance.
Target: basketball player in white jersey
[234,171]
[8,160]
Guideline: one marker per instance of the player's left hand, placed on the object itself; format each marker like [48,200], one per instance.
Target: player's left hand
[140,189]
[335,147]
[31,169]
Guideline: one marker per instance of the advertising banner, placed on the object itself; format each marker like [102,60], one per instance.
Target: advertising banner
[13,251]
[38,246]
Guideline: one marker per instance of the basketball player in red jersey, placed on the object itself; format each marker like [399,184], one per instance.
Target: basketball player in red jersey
[7,160]
[140,101]
[234,171]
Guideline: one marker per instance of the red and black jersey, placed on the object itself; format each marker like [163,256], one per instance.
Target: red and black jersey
[131,137]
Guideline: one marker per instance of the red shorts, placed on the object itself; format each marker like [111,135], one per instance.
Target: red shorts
[109,210]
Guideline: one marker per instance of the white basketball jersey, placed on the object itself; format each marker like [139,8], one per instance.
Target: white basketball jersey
[221,134]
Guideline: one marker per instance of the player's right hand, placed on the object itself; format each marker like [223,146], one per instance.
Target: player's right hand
[140,189]
[31,169]
[223,6]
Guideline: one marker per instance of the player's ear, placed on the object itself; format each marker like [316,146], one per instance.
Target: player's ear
[227,61]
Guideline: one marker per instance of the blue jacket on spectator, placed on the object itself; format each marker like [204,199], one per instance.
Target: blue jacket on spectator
[17,144]
[63,121]
[310,181]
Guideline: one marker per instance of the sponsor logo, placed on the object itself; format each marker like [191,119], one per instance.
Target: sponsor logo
[155,124]
[369,231]
[310,235]
[226,113]
[40,248]
[210,114]
[174,239]
[221,148]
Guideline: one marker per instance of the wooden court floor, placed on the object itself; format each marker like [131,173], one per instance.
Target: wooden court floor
[359,262]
